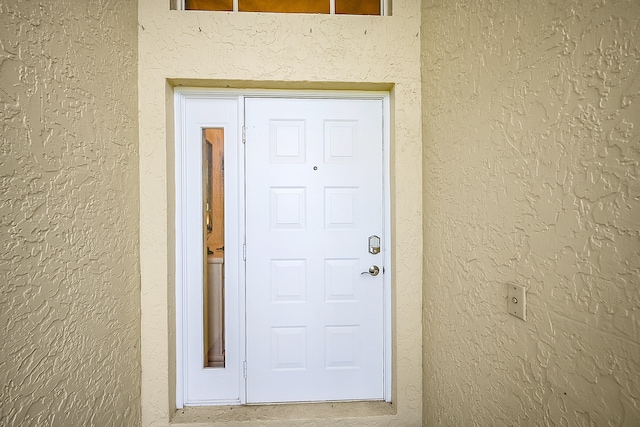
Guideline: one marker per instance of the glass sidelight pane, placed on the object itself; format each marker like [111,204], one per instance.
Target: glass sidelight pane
[213,287]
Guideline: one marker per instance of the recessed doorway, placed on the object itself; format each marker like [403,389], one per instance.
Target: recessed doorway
[300,312]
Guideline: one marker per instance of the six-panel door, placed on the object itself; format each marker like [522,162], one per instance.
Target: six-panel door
[314,196]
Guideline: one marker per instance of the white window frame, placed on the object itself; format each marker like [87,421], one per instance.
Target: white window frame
[182,275]
[384,7]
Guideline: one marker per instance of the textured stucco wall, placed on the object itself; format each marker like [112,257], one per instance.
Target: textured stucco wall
[531,157]
[69,270]
[274,50]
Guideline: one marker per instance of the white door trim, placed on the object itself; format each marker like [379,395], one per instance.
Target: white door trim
[181,95]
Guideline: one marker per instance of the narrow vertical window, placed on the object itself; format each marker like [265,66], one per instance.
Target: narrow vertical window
[213,287]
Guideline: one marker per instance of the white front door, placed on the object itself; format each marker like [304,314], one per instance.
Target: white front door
[314,196]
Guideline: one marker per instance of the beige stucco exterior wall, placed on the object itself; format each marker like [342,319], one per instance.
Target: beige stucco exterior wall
[532,176]
[69,271]
[277,51]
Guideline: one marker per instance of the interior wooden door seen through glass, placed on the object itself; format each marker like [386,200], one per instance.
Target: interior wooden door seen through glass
[213,233]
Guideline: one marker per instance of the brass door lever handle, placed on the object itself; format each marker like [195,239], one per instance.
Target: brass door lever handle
[373,271]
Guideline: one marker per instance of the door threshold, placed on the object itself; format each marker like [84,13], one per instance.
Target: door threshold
[222,415]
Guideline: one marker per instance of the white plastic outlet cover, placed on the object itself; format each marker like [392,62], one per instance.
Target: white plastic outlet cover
[517,301]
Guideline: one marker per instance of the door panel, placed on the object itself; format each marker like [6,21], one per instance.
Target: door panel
[205,383]
[314,196]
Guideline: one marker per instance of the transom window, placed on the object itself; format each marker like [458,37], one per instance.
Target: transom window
[340,7]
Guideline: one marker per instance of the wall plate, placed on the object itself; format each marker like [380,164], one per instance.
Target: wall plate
[517,301]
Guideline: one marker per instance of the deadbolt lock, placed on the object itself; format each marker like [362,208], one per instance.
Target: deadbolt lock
[374,244]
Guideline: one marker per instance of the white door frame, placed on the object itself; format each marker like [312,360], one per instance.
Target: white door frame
[182,276]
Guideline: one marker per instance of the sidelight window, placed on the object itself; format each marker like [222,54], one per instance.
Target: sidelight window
[213,286]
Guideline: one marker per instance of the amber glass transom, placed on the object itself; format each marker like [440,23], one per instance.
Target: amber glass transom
[343,7]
